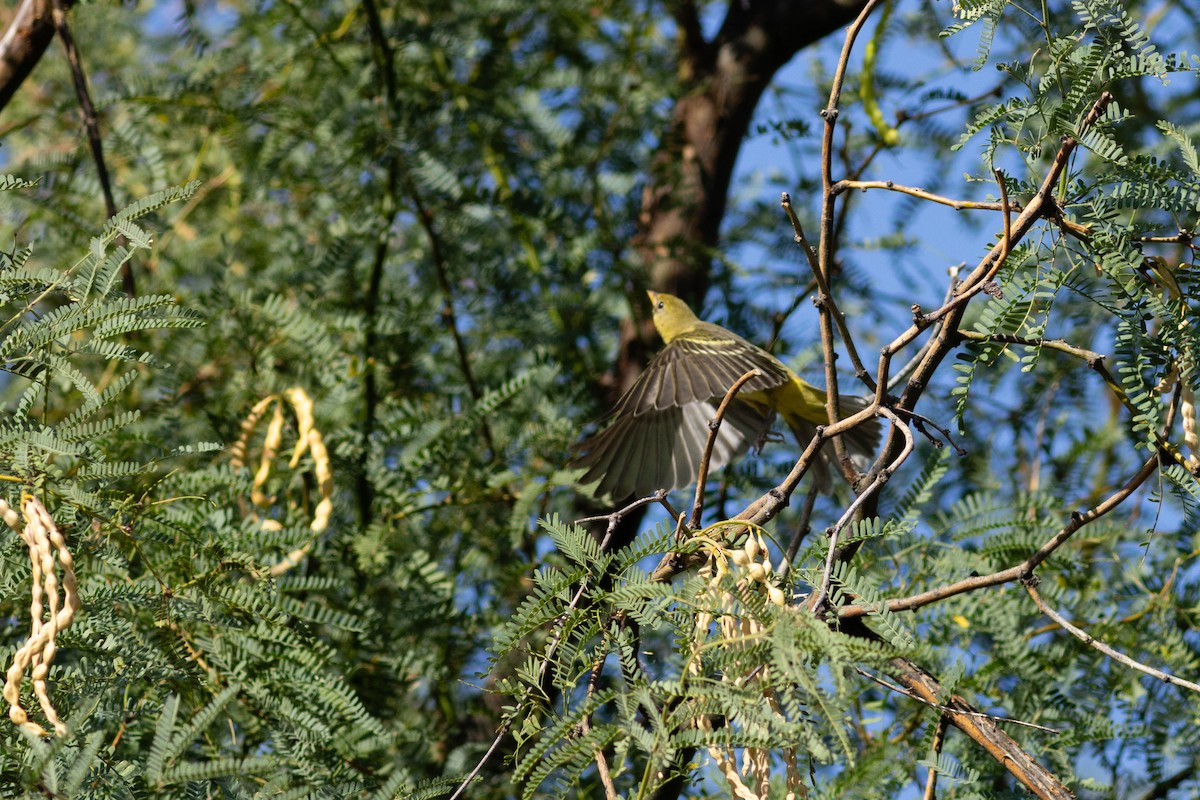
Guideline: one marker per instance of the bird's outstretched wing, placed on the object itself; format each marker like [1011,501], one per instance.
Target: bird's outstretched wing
[660,426]
[639,454]
[700,366]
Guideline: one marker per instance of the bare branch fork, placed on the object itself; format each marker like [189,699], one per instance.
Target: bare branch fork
[819,599]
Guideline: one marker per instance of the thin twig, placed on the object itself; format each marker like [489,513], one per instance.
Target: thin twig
[1026,567]
[920,420]
[1183,237]
[91,123]
[939,736]
[913,191]
[1039,439]
[614,517]
[948,709]
[384,58]
[1075,229]
[1091,641]
[881,478]
[714,427]
[900,375]
[839,318]
[798,235]
[826,244]
[585,724]
[779,319]
[449,317]
[1007,211]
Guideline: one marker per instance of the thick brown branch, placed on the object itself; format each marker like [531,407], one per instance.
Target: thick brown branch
[24,41]
[984,732]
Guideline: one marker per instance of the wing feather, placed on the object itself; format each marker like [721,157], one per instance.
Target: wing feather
[639,454]
[700,366]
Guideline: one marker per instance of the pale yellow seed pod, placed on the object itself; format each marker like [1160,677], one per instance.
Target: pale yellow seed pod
[1191,434]
[237,452]
[757,572]
[11,518]
[270,447]
[303,406]
[739,557]
[776,595]
[752,548]
[324,469]
[321,515]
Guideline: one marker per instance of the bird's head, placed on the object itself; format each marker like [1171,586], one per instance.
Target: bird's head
[672,317]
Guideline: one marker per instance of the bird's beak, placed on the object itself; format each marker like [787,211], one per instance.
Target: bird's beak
[653,296]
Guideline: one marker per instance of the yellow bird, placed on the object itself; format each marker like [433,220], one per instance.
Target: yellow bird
[661,425]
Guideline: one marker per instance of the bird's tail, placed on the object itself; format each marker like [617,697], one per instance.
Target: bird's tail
[861,442]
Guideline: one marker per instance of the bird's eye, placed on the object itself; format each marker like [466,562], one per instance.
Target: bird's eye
[661,305]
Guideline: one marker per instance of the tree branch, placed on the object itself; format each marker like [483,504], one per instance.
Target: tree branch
[826,306]
[984,732]
[91,124]
[892,186]
[1095,643]
[713,427]
[24,42]
[1023,569]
